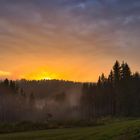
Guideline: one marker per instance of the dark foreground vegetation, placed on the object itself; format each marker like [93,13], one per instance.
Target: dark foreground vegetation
[34,126]
[116,130]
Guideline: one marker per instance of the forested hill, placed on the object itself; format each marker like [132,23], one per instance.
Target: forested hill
[116,95]
[46,88]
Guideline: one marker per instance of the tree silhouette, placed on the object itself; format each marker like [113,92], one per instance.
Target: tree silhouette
[118,95]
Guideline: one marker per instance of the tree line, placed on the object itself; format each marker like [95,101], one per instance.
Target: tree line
[115,95]
[15,105]
[38,101]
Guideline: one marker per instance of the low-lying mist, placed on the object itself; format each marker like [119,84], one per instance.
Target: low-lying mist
[39,100]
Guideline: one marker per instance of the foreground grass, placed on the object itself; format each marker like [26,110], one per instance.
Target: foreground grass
[120,130]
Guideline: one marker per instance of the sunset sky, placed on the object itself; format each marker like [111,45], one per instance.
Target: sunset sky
[67,39]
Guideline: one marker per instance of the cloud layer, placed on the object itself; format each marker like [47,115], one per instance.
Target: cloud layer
[87,34]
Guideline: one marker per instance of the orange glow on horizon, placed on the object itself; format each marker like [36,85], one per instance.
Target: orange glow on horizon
[65,71]
[42,75]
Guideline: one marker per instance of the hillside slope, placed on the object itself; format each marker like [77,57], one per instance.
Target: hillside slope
[121,130]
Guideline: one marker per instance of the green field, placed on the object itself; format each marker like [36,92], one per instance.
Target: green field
[118,130]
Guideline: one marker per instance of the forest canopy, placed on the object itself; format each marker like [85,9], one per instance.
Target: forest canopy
[117,94]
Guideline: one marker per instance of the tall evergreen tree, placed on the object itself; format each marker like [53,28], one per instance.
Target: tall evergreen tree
[111,77]
[125,72]
[6,82]
[117,73]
